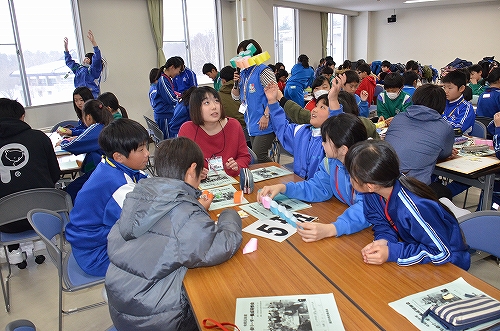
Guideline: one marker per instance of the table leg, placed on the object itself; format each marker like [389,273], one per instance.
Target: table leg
[489,181]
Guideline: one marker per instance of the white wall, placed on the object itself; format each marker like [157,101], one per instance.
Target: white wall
[435,35]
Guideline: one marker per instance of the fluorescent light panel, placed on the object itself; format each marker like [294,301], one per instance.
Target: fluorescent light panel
[417,1]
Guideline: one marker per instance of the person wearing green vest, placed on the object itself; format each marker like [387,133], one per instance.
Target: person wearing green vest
[211,71]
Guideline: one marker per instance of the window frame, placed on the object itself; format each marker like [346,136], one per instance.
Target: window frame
[330,42]
[295,29]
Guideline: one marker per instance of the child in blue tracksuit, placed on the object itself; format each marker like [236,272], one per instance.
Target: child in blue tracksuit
[338,133]
[302,76]
[458,112]
[166,98]
[89,73]
[185,79]
[303,141]
[124,142]
[181,113]
[410,225]
[95,116]
[488,103]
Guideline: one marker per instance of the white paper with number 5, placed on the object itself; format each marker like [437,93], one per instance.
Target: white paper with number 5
[271,229]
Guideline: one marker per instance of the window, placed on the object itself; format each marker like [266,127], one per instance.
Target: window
[38,74]
[336,37]
[284,36]
[190,30]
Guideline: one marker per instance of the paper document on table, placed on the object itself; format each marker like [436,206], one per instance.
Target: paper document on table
[215,179]
[313,312]
[70,161]
[257,210]
[468,164]
[268,173]
[224,197]
[413,306]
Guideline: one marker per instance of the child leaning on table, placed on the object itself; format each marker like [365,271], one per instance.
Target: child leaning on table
[124,143]
[164,230]
[338,133]
[410,225]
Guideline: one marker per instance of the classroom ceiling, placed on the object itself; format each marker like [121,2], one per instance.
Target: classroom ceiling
[377,5]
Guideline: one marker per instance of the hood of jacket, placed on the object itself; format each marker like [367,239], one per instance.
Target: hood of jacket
[422,113]
[151,199]
[10,127]
[371,80]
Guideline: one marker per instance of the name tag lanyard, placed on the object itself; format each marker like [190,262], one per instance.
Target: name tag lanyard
[246,84]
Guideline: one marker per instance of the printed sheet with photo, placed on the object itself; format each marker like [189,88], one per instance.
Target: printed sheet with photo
[413,306]
[310,312]
[224,197]
[216,179]
[257,210]
[268,173]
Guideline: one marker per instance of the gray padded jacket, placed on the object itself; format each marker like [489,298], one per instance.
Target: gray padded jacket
[163,230]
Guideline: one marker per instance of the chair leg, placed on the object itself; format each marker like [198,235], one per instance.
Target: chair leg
[5,284]
[465,199]
[79,309]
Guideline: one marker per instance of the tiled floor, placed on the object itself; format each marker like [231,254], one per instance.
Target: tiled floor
[34,290]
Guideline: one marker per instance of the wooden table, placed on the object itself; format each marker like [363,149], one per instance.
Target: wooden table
[362,291]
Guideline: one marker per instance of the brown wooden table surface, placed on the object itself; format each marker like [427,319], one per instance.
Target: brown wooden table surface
[362,291]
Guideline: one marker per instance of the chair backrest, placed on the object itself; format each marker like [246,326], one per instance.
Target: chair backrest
[20,325]
[482,230]
[154,130]
[15,206]
[47,224]
[253,156]
[478,130]
[65,124]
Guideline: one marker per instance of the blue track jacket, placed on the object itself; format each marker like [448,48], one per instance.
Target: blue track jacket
[333,182]
[425,231]
[460,114]
[89,76]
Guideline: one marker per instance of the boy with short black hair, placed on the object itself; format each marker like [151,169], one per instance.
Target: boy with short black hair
[410,79]
[385,67]
[458,112]
[393,100]
[368,82]
[211,71]
[476,79]
[351,85]
[124,143]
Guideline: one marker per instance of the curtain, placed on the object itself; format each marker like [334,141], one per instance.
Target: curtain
[324,33]
[155,9]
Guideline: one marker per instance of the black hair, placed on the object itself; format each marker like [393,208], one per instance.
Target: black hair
[364,67]
[347,64]
[278,66]
[360,62]
[186,96]
[328,58]
[343,129]
[494,75]
[304,60]
[385,63]
[99,113]
[329,63]
[392,80]
[382,75]
[348,103]
[123,136]
[455,77]
[227,73]
[110,100]
[86,94]
[351,76]
[11,109]
[272,66]
[431,96]
[89,56]
[476,68]
[174,157]
[319,81]
[411,65]
[327,71]
[409,77]
[281,73]
[376,162]
[207,67]
[153,74]
[323,97]
[242,46]
[197,96]
[174,61]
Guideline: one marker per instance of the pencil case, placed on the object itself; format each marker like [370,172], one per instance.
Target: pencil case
[466,313]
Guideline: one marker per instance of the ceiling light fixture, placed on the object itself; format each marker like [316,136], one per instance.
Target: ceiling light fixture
[418,1]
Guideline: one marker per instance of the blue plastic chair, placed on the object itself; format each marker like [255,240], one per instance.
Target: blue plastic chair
[14,207]
[481,230]
[20,325]
[478,130]
[48,225]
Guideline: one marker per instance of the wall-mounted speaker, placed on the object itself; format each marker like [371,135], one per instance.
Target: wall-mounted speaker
[391,19]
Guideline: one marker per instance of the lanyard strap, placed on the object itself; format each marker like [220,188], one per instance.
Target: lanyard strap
[212,324]
[338,191]
[389,219]
[245,83]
